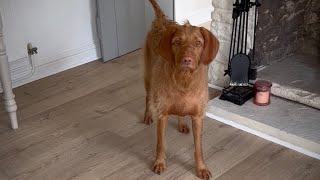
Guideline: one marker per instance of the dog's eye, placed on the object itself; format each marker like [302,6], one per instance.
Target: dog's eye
[177,42]
[198,43]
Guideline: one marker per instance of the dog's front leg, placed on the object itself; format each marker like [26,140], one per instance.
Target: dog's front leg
[160,162]
[197,127]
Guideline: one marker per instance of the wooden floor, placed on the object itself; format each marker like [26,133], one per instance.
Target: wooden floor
[86,123]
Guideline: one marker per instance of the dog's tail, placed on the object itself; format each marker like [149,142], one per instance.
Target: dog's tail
[157,9]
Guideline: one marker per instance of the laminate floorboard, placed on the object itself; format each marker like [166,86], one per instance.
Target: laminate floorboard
[86,123]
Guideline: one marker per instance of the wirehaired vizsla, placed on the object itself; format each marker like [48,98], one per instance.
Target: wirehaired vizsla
[176,81]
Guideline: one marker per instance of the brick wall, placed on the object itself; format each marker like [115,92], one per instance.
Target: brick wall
[287,27]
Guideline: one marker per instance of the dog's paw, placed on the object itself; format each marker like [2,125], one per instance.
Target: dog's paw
[204,173]
[183,128]
[147,119]
[159,166]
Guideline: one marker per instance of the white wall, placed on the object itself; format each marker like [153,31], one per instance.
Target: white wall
[64,32]
[196,11]
[166,6]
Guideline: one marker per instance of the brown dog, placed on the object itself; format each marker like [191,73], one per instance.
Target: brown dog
[176,59]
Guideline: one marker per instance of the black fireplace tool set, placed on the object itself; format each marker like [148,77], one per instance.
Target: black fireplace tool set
[240,67]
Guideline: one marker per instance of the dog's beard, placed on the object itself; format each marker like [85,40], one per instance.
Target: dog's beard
[182,77]
[185,72]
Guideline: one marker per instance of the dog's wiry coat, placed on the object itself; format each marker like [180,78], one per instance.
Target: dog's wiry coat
[176,80]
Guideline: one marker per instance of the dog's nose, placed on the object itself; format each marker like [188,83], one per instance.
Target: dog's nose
[187,60]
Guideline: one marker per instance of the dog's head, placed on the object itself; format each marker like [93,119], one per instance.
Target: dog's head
[187,46]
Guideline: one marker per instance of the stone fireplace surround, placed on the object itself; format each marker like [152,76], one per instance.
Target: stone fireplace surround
[292,57]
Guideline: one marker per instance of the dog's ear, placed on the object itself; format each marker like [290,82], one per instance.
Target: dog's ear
[165,49]
[211,46]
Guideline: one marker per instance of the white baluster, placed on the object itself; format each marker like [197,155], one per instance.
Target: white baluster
[8,96]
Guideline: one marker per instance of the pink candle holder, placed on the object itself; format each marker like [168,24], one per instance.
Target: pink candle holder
[262,89]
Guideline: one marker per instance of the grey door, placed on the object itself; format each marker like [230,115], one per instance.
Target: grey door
[130,16]
[107,29]
[123,24]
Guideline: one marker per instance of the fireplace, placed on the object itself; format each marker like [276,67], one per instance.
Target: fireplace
[287,53]
[287,47]
[286,28]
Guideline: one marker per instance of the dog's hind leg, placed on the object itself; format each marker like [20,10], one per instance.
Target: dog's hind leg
[147,115]
[147,76]
[182,125]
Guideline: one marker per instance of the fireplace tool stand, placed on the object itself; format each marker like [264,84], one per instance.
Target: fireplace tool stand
[239,66]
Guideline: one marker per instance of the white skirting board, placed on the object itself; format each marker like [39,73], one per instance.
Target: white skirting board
[285,130]
[53,65]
